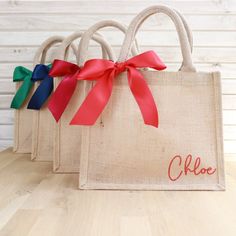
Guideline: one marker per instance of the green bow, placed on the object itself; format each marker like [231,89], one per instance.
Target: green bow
[21,74]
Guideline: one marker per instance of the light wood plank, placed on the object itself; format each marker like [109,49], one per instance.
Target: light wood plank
[8,68]
[227,70]
[72,21]
[229,117]
[168,54]
[84,7]
[6,121]
[5,101]
[229,86]
[229,101]
[229,129]
[6,117]
[229,146]
[7,86]
[230,132]
[146,38]
[6,132]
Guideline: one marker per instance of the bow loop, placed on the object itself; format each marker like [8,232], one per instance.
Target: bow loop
[104,72]
[40,72]
[64,91]
[147,59]
[94,69]
[20,73]
[63,68]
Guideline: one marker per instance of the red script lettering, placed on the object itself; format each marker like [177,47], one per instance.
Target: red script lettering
[183,166]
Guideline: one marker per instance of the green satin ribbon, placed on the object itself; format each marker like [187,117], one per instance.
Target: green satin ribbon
[21,74]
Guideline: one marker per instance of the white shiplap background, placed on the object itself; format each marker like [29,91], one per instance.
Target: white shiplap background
[25,24]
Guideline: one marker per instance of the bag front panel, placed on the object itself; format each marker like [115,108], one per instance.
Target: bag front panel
[67,142]
[23,126]
[42,133]
[120,151]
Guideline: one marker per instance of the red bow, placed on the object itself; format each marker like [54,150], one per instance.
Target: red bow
[64,91]
[104,71]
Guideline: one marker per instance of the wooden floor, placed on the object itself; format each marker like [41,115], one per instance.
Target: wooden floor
[34,201]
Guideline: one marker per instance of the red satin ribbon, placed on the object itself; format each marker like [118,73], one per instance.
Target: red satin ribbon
[104,71]
[64,91]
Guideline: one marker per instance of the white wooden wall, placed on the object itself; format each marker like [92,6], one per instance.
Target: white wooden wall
[25,24]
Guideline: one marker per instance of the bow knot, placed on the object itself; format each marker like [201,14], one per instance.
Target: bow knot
[64,91]
[21,74]
[120,67]
[41,94]
[104,71]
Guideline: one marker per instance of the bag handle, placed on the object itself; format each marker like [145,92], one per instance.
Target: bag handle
[40,55]
[141,17]
[105,46]
[188,31]
[83,46]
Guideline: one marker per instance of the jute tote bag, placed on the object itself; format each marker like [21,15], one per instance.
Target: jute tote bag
[23,116]
[42,120]
[185,152]
[67,138]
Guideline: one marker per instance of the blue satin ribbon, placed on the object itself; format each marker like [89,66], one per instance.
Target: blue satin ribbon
[41,73]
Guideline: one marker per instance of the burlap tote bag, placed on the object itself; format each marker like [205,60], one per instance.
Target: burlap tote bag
[185,152]
[24,117]
[67,138]
[65,148]
[42,120]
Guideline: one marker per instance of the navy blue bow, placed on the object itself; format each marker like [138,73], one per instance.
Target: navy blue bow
[41,72]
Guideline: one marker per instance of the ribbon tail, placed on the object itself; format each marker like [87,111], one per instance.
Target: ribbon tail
[94,103]
[22,93]
[41,94]
[61,96]
[143,97]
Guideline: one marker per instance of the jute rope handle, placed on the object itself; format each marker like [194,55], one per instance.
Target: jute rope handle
[105,46]
[84,42]
[188,31]
[141,17]
[41,53]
